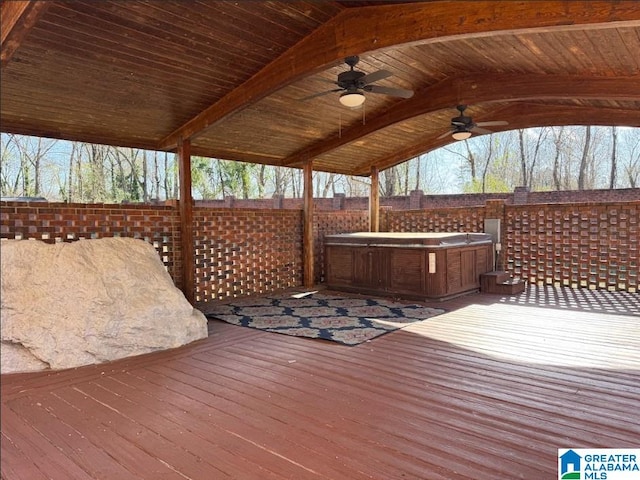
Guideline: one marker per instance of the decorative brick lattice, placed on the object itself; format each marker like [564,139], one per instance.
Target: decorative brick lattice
[245,252]
[592,246]
[331,223]
[465,219]
[68,222]
[241,252]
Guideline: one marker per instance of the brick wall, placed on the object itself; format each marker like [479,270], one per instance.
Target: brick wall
[244,252]
[460,219]
[253,251]
[418,200]
[67,222]
[588,245]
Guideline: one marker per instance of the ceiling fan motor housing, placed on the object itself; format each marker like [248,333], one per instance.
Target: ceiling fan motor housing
[350,79]
[462,120]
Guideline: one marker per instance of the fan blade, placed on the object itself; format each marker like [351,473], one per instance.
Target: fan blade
[495,123]
[374,77]
[481,131]
[394,92]
[444,135]
[326,80]
[320,94]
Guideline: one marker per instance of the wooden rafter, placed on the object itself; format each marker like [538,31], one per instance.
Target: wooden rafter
[17,18]
[519,115]
[476,90]
[366,29]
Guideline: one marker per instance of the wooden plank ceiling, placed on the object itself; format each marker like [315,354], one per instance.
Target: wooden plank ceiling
[230,76]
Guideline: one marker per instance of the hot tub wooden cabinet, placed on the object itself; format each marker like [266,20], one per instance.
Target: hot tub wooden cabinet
[411,265]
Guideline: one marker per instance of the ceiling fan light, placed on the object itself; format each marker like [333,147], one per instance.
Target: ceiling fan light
[461,135]
[352,99]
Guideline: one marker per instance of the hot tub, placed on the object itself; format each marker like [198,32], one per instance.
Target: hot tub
[410,265]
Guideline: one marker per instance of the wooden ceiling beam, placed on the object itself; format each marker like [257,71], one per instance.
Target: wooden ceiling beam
[474,90]
[366,29]
[520,115]
[17,18]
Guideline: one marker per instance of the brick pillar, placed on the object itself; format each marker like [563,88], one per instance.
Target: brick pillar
[415,199]
[338,201]
[228,201]
[521,195]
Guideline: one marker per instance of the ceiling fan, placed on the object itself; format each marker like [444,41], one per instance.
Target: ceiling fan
[354,83]
[462,126]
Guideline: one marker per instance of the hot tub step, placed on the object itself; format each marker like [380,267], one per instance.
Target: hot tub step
[500,282]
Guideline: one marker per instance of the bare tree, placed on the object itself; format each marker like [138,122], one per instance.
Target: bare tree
[262,180]
[389,182]
[584,161]
[471,159]
[155,189]
[614,148]
[557,141]
[488,158]
[145,175]
[529,157]
[630,147]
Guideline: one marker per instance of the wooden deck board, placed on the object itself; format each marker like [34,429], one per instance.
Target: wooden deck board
[489,390]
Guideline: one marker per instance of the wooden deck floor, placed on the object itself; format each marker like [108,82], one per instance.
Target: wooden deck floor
[489,390]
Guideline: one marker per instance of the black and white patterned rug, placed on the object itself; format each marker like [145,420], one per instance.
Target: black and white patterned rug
[350,321]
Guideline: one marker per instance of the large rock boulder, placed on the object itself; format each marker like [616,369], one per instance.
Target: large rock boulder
[69,304]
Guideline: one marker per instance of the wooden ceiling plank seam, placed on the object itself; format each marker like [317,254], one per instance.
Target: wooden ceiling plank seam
[522,48]
[278,36]
[447,57]
[52,70]
[168,19]
[493,88]
[425,65]
[92,137]
[618,52]
[161,79]
[632,44]
[404,75]
[566,61]
[255,47]
[531,43]
[573,54]
[399,28]
[17,19]
[485,62]
[153,104]
[137,49]
[273,13]
[511,59]
[315,10]
[132,62]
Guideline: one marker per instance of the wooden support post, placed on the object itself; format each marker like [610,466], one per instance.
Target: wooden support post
[307,243]
[186,220]
[374,201]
